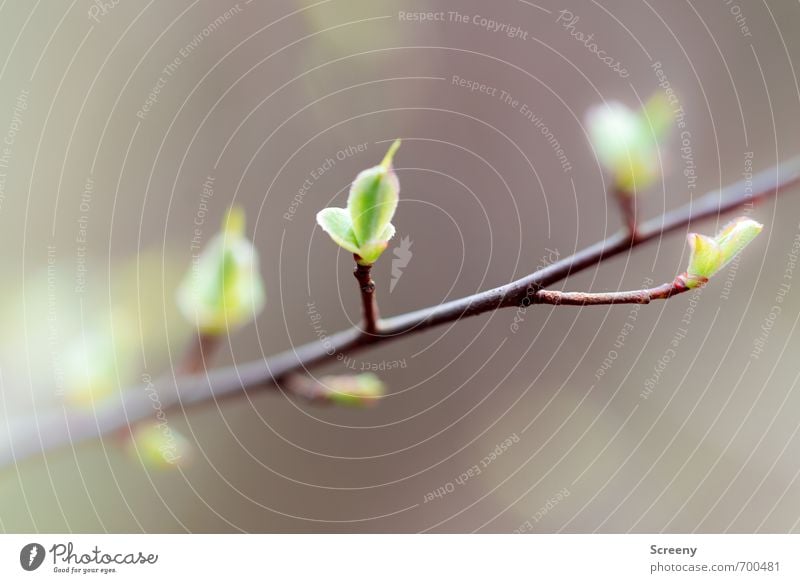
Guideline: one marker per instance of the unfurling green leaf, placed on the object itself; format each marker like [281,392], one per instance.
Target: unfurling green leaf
[365,228]
[223,289]
[704,260]
[336,222]
[709,255]
[736,236]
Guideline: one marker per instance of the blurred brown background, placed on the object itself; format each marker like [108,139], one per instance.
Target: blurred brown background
[262,93]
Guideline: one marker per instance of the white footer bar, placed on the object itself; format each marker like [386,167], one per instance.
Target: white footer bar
[389,558]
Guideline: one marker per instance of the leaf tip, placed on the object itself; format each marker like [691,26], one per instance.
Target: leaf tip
[387,159]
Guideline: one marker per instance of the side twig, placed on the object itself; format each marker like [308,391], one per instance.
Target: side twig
[199,353]
[363,274]
[642,296]
[627,205]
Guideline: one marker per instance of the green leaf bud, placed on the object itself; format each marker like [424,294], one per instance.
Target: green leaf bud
[704,260]
[95,362]
[708,256]
[159,446]
[736,236]
[364,228]
[223,289]
[362,390]
[627,141]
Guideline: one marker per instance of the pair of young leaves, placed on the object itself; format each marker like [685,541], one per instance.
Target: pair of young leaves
[364,228]
[709,255]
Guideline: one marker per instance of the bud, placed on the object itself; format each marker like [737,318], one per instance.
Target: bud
[709,255]
[627,141]
[89,369]
[362,390]
[98,361]
[704,260]
[159,446]
[223,289]
[364,228]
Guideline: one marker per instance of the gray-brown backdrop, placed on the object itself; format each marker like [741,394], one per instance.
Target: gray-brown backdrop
[678,416]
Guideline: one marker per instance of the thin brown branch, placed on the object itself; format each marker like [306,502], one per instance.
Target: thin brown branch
[55,428]
[627,204]
[640,296]
[363,274]
[195,360]
[199,353]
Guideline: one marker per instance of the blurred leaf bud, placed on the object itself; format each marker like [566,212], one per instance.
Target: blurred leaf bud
[100,359]
[159,446]
[361,390]
[223,289]
[627,141]
[89,371]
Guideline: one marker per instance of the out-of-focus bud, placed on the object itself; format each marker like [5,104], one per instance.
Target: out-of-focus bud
[223,288]
[159,446]
[89,371]
[709,255]
[658,115]
[99,360]
[364,228]
[361,390]
[627,141]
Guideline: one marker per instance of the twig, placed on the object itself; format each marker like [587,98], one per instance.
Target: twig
[198,354]
[50,429]
[627,204]
[641,296]
[363,274]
